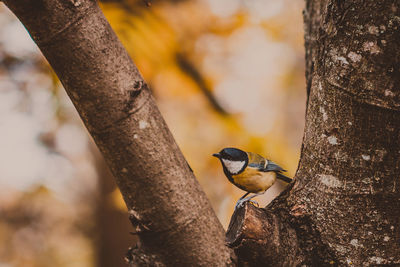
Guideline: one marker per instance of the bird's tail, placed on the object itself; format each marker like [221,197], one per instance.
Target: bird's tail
[283,177]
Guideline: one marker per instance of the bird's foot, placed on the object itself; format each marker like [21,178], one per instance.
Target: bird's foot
[255,203]
[241,202]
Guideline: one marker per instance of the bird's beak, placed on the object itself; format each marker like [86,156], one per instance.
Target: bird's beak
[217,155]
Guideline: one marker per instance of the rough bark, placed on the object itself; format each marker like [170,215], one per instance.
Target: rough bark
[172,215]
[343,207]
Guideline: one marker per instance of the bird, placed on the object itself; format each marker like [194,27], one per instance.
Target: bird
[250,172]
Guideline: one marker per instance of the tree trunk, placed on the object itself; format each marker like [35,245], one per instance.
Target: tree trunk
[344,205]
[172,216]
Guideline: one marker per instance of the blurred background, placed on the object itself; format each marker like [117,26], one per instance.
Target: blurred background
[224,73]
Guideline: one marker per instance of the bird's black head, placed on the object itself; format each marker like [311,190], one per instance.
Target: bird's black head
[231,153]
[233,160]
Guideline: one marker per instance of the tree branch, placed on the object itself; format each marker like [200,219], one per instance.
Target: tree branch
[173,217]
[253,229]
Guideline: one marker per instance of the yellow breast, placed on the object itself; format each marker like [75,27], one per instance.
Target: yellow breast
[254,181]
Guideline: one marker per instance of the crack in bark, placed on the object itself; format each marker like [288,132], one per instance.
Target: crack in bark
[139,86]
[360,99]
[70,25]
[128,115]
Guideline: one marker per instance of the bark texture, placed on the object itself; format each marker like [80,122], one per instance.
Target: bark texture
[344,205]
[172,215]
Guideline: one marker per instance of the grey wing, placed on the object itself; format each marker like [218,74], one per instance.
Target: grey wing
[256,161]
[271,166]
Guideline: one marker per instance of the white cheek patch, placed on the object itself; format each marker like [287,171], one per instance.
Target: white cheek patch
[233,167]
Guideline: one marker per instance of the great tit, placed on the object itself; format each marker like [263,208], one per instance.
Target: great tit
[250,172]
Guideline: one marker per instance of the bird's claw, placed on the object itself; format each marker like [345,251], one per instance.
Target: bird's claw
[241,202]
[255,203]
[238,204]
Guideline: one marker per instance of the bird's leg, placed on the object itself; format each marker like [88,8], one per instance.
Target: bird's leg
[245,195]
[245,199]
[239,202]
